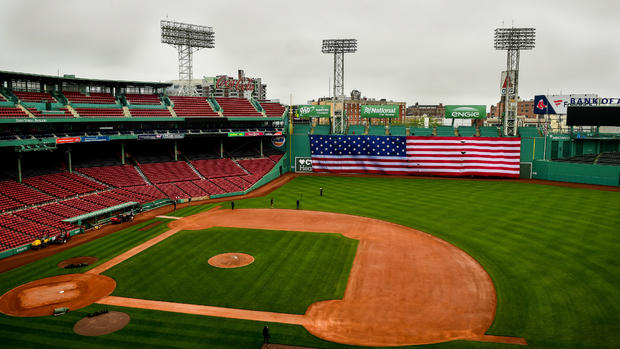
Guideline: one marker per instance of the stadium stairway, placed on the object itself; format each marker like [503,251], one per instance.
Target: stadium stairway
[192,167]
[146,180]
[25,110]
[73,111]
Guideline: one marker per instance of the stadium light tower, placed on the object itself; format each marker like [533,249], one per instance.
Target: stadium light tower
[513,40]
[187,38]
[339,47]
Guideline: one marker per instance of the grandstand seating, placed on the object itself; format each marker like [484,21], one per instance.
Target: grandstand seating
[239,182]
[489,131]
[62,210]
[117,176]
[217,168]
[58,113]
[467,131]
[275,158]
[25,195]
[137,195]
[445,131]
[150,113]
[7,203]
[93,98]
[143,99]
[237,107]
[165,172]
[26,226]
[192,189]
[34,96]
[10,239]
[148,191]
[12,112]
[83,205]
[172,191]
[257,166]
[398,130]
[272,110]
[100,112]
[185,106]
[102,200]
[63,185]
[45,217]
[612,158]
[376,130]
[227,186]
[421,131]
[209,187]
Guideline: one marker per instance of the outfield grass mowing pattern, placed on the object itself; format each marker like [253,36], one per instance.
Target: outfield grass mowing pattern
[551,251]
[291,270]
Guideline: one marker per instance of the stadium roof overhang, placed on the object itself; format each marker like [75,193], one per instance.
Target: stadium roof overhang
[100,212]
[50,80]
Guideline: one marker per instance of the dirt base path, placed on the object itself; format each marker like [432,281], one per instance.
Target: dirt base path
[406,287]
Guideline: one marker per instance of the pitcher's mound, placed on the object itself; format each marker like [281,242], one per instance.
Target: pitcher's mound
[231,260]
[101,324]
[77,260]
[41,297]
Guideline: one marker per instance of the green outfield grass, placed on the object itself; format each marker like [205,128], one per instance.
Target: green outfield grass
[552,253]
[291,270]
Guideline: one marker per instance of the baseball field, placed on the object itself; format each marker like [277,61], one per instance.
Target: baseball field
[550,253]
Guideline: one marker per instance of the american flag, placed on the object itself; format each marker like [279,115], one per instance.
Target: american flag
[444,156]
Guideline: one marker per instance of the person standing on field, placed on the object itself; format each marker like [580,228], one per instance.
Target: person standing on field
[266,335]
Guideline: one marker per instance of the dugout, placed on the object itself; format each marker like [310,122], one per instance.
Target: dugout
[92,219]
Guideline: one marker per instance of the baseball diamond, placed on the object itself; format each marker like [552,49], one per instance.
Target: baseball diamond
[141,209]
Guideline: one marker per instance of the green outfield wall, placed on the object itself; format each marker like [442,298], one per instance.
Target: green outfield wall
[576,173]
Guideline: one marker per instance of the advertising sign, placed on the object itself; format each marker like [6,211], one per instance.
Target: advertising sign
[466,111]
[278,141]
[150,137]
[379,111]
[66,140]
[507,82]
[95,139]
[303,164]
[558,104]
[245,84]
[236,134]
[314,111]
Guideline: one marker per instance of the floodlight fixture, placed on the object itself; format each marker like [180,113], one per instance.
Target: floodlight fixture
[515,38]
[512,40]
[339,47]
[187,39]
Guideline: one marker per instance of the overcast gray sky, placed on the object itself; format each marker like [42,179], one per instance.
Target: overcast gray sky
[413,51]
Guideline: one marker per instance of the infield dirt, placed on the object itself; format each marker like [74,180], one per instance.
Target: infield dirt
[406,287]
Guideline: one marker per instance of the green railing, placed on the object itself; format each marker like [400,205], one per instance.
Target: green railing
[215,105]
[257,105]
[8,94]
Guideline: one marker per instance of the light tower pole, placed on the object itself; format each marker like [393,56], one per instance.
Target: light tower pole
[339,47]
[513,40]
[187,39]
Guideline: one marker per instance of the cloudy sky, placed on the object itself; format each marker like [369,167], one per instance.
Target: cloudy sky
[414,51]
